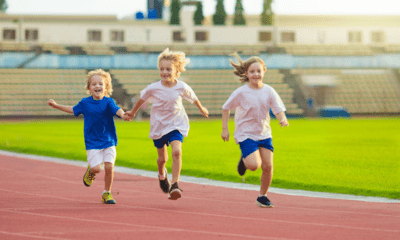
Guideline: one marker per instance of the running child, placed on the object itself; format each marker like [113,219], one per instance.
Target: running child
[252,121]
[169,122]
[99,129]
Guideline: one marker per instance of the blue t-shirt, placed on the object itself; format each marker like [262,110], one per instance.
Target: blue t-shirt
[99,128]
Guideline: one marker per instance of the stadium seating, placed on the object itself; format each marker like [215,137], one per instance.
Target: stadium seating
[213,87]
[361,91]
[25,92]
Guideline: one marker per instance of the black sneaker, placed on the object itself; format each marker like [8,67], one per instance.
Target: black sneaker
[165,185]
[175,192]
[263,201]
[241,168]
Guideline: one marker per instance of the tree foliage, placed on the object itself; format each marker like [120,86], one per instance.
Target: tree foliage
[198,15]
[220,15]
[267,16]
[239,18]
[3,5]
[175,12]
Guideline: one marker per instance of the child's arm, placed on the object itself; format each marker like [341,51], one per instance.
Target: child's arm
[282,119]
[225,123]
[131,114]
[203,110]
[53,104]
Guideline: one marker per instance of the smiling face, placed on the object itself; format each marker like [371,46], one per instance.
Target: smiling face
[97,87]
[167,70]
[255,74]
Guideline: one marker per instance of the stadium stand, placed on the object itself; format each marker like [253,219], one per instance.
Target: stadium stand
[213,87]
[360,91]
[25,92]
[327,50]
[14,59]
[54,48]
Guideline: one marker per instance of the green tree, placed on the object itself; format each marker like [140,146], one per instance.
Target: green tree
[267,16]
[220,14]
[239,18]
[198,15]
[175,12]
[3,6]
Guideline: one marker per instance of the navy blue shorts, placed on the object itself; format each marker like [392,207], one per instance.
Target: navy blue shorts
[249,146]
[167,138]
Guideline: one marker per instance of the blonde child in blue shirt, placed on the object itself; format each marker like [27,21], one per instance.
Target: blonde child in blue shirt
[99,129]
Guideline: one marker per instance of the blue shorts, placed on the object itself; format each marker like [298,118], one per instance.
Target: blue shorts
[167,138]
[249,146]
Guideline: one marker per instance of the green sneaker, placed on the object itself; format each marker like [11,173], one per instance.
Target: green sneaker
[88,177]
[107,198]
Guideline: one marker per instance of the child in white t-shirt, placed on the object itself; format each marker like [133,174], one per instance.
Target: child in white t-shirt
[252,130]
[169,122]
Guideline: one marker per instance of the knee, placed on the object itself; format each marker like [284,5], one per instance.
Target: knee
[108,168]
[267,167]
[176,154]
[162,159]
[252,166]
[95,169]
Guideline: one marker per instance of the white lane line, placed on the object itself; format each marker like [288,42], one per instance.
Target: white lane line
[210,182]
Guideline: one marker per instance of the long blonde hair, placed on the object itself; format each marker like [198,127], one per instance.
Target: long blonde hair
[106,78]
[242,67]
[178,59]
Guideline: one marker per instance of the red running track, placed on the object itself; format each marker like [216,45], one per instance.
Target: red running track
[47,200]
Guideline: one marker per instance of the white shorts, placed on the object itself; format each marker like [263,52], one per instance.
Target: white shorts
[99,156]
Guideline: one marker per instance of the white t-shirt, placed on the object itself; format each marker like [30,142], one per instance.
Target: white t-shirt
[252,111]
[167,112]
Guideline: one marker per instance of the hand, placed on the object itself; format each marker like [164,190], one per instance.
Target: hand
[129,115]
[204,112]
[125,117]
[225,134]
[284,123]
[52,103]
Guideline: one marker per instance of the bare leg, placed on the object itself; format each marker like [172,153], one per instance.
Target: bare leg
[109,176]
[177,160]
[267,170]
[161,160]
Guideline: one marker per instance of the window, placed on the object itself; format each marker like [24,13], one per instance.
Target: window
[31,35]
[288,37]
[355,37]
[178,36]
[94,36]
[201,36]
[9,34]
[117,36]
[378,37]
[265,36]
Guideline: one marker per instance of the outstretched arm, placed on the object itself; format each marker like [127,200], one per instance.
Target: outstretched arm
[53,104]
[202,109]
[131,114]
[225,123]
[282,119]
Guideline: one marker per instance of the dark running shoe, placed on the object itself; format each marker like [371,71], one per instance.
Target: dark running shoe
[241,168]
[263,201]
[165,185]
[175,192]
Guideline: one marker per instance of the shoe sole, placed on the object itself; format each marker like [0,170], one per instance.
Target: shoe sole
[265,206]
[109,202]
[175,194]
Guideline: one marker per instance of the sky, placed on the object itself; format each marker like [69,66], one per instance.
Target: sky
[123,8]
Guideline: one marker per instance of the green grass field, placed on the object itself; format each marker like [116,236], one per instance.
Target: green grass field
[352,156]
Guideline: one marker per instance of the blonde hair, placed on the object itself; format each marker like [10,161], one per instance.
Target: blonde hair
[178,59]
[106,78]
[242,67]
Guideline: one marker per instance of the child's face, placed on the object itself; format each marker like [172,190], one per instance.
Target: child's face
[167,70]
[97,87]
[255,73]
